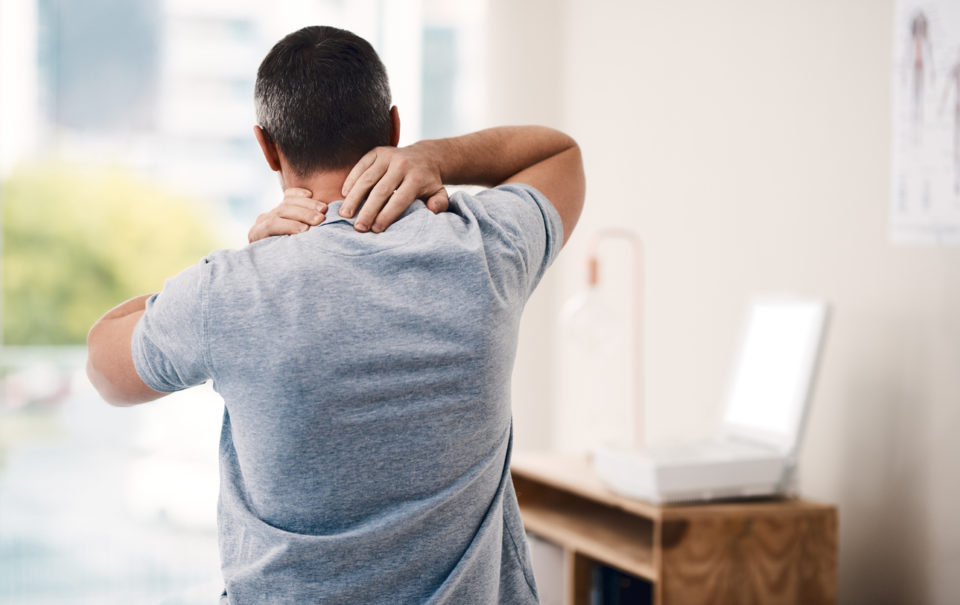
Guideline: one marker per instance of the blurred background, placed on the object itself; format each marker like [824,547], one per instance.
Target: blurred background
[749,143]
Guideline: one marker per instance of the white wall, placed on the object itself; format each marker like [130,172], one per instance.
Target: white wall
[749,143]
[523,76]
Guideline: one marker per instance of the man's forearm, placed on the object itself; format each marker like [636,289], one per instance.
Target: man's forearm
[490,157]
[390,178]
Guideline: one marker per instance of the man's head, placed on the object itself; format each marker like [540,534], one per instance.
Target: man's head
[323,99]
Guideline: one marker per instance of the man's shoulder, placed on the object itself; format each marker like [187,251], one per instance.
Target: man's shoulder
[515,207]
[513,190]
[237,258]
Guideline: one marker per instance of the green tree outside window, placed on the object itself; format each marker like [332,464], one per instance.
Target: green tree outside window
[77,241]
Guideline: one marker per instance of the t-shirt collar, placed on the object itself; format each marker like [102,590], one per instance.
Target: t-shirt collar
[333,212]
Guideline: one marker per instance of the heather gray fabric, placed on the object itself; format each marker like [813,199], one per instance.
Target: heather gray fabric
[367,427]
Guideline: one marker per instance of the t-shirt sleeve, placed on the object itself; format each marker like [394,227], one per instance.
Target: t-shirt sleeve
[530,222]
[168,343]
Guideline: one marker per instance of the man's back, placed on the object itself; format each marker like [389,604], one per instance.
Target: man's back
[367,430]
[366,377]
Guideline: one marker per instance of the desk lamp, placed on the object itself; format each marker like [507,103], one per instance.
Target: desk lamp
[577,314]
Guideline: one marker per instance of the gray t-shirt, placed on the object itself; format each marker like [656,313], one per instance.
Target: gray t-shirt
[365,448]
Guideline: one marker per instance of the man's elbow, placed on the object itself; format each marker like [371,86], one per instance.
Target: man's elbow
[101,370]
[579,173]
[108,391]
[571,198]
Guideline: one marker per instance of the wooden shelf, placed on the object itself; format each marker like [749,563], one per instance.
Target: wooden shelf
[587,527]
[571,473]
[761,551]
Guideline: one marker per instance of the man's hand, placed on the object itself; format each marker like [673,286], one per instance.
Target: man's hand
[295,214]
[392,178]
[540,157]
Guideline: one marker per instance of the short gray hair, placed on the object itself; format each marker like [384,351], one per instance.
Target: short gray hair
[322,96]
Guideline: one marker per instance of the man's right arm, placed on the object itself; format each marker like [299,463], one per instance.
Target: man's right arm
[390,178]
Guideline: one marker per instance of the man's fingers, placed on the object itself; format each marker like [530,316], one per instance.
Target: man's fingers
[370,177]
[283,226]
[295,214]
[395,206]
[309,215]
[439,201]
[276,225]
[377,197]
[365,162]
[297,192]
[390,179]
[303,202]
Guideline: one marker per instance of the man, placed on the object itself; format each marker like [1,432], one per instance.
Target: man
[365,370]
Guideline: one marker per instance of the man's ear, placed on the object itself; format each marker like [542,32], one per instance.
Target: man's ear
[394,126]
[268,147]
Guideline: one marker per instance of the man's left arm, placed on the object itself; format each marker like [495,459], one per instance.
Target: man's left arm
[110,361]
[154,344]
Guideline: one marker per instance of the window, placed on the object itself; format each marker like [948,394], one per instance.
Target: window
[128,154]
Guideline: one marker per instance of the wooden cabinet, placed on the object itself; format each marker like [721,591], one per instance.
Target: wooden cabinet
[772,551]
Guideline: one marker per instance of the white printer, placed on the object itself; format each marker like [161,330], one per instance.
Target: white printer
[754,449]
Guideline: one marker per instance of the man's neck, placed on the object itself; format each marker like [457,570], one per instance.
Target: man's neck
[325,186]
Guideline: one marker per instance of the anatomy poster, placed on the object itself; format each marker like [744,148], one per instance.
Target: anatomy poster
[926,123]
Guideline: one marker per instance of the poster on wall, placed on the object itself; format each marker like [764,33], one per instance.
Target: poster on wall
[926,123]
